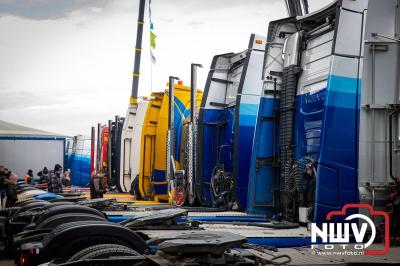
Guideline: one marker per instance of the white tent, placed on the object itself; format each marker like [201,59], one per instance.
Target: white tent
[23,148]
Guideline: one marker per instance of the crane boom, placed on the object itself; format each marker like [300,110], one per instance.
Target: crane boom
[138,52]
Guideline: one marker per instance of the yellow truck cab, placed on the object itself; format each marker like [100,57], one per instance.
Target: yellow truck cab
[152,176]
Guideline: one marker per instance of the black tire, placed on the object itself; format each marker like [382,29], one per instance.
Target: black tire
[27,202]
[69,238]
[28,210]
[26,188]
[29,194]
[203,209]
[68,199]
[31,206]
[110,252]
[54,221]
[64,209]
[88,251]
[54,204]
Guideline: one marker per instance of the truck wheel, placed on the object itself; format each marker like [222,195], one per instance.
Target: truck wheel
[204,209]
[59,208]
[31,206]
[110,252]
[69,238]
[27,202]
[99,251]
[54,221]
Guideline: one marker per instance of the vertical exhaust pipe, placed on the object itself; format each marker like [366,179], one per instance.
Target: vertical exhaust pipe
[193,95]
[92,144]
[297,7]
[109,150]
[171,135]
[116,129]
[98,150]
[191,174]
[115,173]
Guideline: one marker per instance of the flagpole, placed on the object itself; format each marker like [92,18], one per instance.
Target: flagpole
[152,47]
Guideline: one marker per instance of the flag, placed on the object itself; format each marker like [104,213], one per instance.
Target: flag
[153,37]
[152,56]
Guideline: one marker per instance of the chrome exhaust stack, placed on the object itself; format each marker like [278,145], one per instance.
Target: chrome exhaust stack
[191,142]
[170,167]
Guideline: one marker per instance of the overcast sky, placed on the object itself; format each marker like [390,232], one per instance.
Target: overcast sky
[66,65]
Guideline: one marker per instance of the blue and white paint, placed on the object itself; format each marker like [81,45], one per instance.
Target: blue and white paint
[78,161]
[228,117]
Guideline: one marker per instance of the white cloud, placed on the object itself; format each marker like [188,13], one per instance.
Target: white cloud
[68,70]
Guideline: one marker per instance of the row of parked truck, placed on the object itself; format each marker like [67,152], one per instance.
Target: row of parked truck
[302,122]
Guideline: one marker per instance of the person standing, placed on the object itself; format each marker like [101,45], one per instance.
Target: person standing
[97,188]
[11,190]
[3,172]
[31,180]
[66,180]
[55,184]
[43,176]
[28,178]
